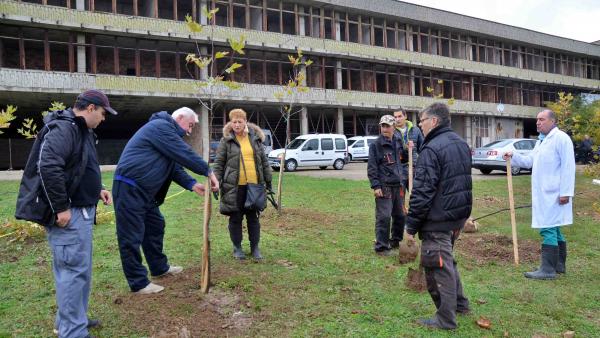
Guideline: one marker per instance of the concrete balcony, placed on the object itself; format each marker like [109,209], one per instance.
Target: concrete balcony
[16,85]
[57,17]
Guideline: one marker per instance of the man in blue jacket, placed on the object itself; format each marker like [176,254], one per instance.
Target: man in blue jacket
[155,156]
[60,189]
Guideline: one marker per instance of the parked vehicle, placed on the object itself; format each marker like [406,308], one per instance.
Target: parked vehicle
[212,151]
[489,157]
[268,142]
[320,150]
[358,147]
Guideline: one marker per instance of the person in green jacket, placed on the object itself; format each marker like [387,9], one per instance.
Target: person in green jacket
[240,160]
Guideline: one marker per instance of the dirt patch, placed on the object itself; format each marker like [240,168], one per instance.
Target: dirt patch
[415,280]
[297,218]
[488,199]
[484,248]
[181,310]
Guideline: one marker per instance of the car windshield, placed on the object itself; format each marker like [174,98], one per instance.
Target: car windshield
[295,143]
[351,142]
[499,143]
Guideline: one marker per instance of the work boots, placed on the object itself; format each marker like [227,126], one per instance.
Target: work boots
[547,269]
[255,251]
[561,265]
[238,253]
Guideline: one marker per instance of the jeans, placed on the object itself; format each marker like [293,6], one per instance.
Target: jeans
[72,268]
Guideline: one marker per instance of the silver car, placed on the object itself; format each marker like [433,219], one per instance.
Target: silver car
[489,157]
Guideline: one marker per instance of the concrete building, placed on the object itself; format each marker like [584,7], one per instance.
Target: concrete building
[370,57]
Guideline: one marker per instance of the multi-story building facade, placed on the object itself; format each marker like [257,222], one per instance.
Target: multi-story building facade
[369,58]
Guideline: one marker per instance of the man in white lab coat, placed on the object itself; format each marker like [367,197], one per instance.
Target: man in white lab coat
[552,188]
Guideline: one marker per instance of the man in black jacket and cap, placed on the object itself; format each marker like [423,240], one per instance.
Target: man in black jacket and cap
[60,189]
[386,156]
[440,203]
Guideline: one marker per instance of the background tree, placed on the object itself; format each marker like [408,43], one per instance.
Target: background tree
[289,94]
[6,117]
[211,86]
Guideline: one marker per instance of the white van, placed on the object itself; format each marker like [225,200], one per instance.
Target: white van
[320,150]
[358,147]
[268,142]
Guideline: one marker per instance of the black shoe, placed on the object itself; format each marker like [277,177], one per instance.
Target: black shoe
[394,244]
[561,264]
[385,253]
[238,253]
[547,269]
[93,323]
[431,323]
[463,312]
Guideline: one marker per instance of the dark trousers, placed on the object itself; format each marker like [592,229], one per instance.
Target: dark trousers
[388,208]
[236,218]
[441,273]
[139,224]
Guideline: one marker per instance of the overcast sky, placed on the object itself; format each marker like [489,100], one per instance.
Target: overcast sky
[575,19]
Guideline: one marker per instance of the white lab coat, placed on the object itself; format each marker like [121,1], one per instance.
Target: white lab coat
[553,175]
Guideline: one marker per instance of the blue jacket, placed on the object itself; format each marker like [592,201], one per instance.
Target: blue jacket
[156,155]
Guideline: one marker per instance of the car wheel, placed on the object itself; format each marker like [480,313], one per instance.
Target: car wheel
[485,171]
[338,164]
[290,165]
[515,170]
[323,167]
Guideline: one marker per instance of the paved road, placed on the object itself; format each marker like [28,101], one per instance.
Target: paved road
[15,175]
[358,171]
[352,171]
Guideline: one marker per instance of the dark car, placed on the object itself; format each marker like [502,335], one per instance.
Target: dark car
[212,152]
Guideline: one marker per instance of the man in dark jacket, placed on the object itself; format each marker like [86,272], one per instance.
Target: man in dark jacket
[60,189]
[153,157]
[440,203]
[384,170]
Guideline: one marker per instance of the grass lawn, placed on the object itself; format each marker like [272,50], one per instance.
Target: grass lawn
[320,276]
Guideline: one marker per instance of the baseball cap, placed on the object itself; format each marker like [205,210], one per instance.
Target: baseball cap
[98,98]
[387,119]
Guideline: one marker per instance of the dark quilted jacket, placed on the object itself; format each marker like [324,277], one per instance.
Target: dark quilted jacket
[441,198]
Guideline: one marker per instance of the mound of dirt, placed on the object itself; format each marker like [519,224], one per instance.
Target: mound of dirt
[415,280]
[297,218]
[484,248]
[181,310]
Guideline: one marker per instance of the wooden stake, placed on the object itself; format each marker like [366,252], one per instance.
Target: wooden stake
[410,178]
[513,220]
[205,276]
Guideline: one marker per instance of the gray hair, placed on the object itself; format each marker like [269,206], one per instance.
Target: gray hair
[551,114]
[185,112]
[440,111]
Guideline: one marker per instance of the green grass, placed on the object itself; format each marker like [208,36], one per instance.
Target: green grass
[320,276]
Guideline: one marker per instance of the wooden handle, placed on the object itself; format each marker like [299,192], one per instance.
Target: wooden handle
[513,220]
[205,276]
[410,180]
